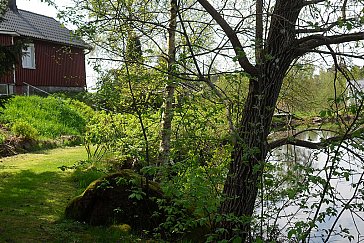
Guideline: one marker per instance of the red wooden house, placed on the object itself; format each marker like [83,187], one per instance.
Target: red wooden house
[53,59]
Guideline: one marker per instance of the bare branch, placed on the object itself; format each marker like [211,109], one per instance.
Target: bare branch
[343,9]
[207,80]
[231,34]
[338,54]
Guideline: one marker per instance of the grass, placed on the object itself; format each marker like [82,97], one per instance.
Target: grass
[49,117]
[34,193]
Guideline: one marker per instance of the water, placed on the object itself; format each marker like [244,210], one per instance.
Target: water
[342,166]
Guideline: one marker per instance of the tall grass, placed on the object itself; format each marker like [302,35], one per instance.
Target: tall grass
[50,117]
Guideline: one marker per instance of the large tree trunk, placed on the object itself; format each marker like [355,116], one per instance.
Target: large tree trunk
[250,149]
[249,153]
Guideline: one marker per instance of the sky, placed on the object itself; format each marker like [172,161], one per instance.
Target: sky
[36,6]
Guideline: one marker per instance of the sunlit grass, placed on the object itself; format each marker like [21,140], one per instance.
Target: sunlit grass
[34,193]
[43,161]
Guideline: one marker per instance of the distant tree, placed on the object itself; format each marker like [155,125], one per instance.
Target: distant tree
[133,53]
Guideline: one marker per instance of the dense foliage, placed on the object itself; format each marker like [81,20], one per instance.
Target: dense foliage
[200,155]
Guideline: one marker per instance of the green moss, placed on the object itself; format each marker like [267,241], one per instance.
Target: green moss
[122,197]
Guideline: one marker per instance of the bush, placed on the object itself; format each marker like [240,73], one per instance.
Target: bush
[24,129]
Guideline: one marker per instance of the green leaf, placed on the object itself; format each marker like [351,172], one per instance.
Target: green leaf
[349,26]
[323,113]
[291,233]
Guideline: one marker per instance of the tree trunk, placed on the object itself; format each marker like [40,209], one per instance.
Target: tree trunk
[251,147]
[167,116]
[249,154]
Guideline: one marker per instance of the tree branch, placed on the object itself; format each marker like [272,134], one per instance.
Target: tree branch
[343,10]
[201,76]
[337,53]
[231,34]
[309,43]
[292,140]
[259,31]
[329,26]
[306,3]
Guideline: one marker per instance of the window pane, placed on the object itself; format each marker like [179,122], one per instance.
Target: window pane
[28,59]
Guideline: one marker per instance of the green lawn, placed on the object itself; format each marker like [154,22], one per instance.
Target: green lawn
[33,196]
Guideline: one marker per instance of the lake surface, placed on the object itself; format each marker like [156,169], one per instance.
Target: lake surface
[341,166]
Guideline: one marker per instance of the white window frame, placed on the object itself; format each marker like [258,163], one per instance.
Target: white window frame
[28,58]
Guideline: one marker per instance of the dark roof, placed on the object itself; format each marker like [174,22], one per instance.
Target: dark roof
[41,27]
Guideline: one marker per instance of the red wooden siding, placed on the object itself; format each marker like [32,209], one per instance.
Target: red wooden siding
[6,41]
[56,65]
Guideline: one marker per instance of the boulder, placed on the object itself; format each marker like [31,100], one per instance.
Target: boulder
[120,198]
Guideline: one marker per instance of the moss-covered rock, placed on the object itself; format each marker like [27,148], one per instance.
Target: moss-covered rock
[120,198]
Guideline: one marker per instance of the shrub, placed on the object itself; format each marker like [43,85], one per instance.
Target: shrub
[24,129]
[81,108]
[103,132]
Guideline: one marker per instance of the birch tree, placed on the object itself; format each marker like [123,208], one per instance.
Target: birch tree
[167,115]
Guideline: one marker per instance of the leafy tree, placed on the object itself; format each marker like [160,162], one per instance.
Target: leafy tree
[113,93]
[307,93]
[133,53]
[298,90]
[9,56]
[283,33]
[137,25]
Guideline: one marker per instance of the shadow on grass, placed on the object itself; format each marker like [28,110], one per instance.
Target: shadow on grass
[29,202]
[32,206]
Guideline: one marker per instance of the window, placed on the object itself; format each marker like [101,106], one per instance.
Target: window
[28,59]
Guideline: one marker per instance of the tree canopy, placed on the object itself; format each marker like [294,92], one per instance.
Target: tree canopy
[222,46]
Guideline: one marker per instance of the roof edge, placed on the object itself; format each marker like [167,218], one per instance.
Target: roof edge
[9,32]
[85,46]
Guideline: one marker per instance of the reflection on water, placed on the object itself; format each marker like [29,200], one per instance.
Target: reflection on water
[341,210]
